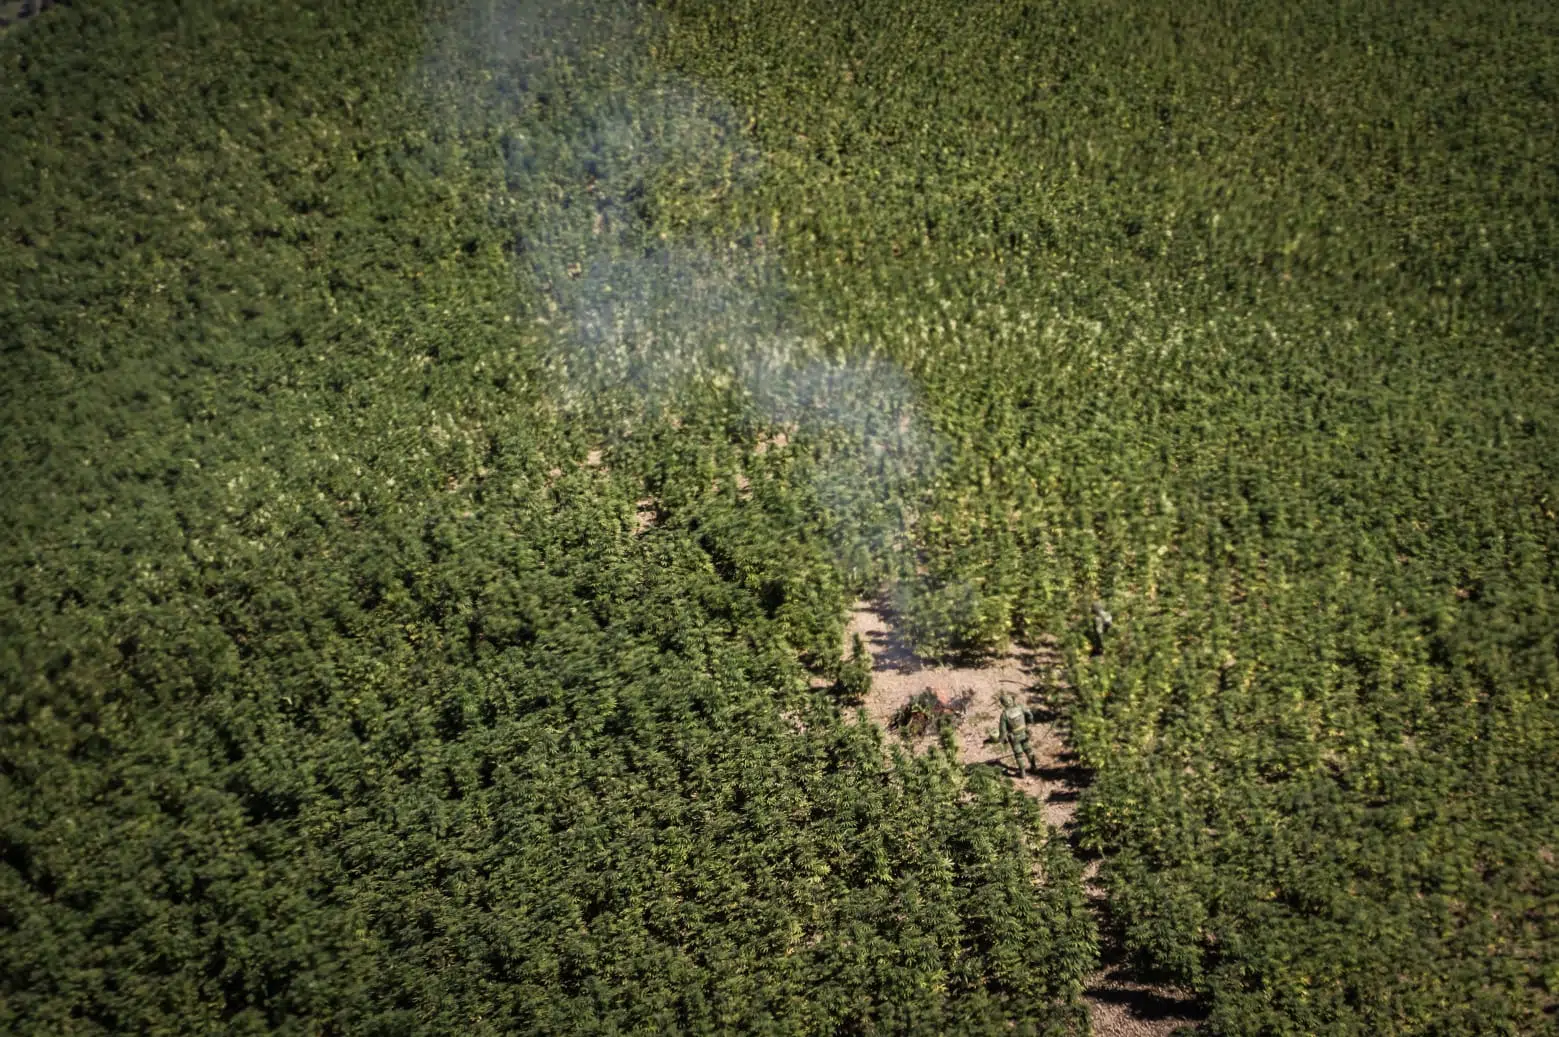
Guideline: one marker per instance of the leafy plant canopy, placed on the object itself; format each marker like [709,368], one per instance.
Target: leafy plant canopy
[442,441]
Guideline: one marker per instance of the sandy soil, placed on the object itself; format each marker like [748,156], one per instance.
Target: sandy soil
[1120,1004]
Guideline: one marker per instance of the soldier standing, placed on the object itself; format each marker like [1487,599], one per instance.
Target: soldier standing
[1102,622]
[1014,730]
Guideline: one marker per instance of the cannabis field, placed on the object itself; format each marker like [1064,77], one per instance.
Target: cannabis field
[442,441]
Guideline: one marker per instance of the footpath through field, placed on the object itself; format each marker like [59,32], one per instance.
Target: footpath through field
[1119,1003]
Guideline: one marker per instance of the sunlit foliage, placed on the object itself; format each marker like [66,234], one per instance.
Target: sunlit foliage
[370,669]
[441,441]
[1241,318]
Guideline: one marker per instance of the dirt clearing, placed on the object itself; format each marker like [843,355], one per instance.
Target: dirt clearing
[1119,1004]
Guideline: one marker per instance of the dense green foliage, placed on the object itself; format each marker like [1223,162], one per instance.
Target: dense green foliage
[440,444]
[343,689]
[1240,316]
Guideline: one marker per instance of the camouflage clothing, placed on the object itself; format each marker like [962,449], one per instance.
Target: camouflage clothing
[1102,622]
[1013,729]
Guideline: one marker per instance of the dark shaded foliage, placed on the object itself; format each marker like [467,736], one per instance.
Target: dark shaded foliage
[341,693]
[1239,317]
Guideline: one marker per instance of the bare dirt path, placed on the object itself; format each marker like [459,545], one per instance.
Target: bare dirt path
[1119,1004]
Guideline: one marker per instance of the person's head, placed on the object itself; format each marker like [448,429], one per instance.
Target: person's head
[1007,700]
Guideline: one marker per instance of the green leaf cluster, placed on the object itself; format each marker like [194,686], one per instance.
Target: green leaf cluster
[364,667]
[1239,318]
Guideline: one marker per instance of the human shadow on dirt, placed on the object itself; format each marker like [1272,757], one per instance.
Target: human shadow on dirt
[1005,769]
[1148,1005]
[1074,777]
[890,653]
[1043,714]
[1126,979]
[1139,991]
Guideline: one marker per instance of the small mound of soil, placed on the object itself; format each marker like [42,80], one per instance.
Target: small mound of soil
[929,712]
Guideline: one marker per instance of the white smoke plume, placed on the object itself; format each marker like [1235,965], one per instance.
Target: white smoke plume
[590,129]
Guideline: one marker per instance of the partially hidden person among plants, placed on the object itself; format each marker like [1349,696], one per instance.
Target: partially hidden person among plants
[1102,622]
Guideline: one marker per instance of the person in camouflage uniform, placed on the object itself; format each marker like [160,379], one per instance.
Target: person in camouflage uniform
[1013,729]
[1102,622]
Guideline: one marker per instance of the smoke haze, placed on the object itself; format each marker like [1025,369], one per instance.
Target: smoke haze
[594,137]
